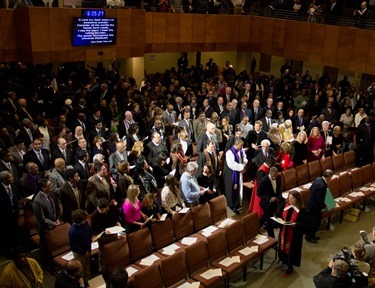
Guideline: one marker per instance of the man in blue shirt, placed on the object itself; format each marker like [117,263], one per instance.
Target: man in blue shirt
[190,190]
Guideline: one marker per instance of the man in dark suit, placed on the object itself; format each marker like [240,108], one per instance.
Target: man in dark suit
[329,113]
[39,156]
[219,105]
[97,131]
[72,195]
[8,212]
[270,195]
[257,111]
[62,152]
[244,111]
[365,143]
[44,207]
[209,135]
[82,167]
[26,132]
[228,96]
[99,186]
[300,123]
[7,164]
[326,133]
[264,153]
[154,148]
[254,138]
[267,121]
[80,121]
[231,113]
[316,204]
[187,123]
[361,15]
[82,146]
[334,12]
[207,109]
[269,106]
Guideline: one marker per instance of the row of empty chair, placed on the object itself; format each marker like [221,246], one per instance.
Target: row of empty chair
[188,261]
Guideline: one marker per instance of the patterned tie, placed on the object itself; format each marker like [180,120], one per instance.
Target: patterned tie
[64,154]
[10,194]
[40,157]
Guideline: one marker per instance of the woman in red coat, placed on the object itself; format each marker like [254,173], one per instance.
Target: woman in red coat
[284,158]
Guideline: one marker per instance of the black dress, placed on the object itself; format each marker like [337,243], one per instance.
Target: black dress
[300,153]
[291,236]
[206,181]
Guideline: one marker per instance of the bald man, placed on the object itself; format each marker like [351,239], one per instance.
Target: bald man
[70,277]
[57,176]
[118,156]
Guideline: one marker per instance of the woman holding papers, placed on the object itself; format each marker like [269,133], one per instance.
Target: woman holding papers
[133,216]
[316,147]
[207,179]
[291,233]
[170,196]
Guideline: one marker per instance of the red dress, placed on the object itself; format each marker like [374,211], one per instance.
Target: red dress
[315,144]
[255,199]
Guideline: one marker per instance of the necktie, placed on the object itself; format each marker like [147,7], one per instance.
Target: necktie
[369,131]
[40,157]
[50,202]
[9,166]
[64,154]
[266,154]
[83,126]
[30,134]
[171,117]
[75,190]
[300,121]
[10,194]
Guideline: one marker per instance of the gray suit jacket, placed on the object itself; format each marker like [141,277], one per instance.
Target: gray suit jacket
[57,181]
[44,212]
[113,160]
[189,128]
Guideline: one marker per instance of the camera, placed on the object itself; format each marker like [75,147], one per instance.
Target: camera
[358,278]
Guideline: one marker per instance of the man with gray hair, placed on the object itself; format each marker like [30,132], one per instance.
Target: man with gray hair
[189,187]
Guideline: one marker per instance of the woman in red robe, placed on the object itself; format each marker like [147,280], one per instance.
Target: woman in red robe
[291,236]
[263,170]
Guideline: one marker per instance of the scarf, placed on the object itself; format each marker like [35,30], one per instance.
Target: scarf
[236,174]
[290,214]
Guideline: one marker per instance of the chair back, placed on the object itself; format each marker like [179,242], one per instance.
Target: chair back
[162,233]
[218,207]
[183,225]
[116,253]
[173,268]
[368,176]
[235,235]
[338,163]
[217,245]
[303,175]
[349,159]
[290,178]
[149,277]
[58,239]
[326,164]
[345,183]
[334,186]
[201,216]
[357,177]
[315,169]
[140,244]
[194,260]
[251,226]
[305,195]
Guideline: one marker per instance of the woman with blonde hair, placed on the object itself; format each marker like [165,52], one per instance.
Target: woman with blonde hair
[136,153]
[316,147]
[300,149]
[133,216]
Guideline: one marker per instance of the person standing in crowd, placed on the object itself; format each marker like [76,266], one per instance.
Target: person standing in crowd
[133,216]
[45,211]
[263,171]
[80,241]
[70,276]
[316,204]
[234,167]
[291,236]
[189,187]
[9,212]
[22,271]
[170,196]
[300,149]
[270,196]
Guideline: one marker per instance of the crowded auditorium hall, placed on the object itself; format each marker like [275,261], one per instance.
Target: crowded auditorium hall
[160,154]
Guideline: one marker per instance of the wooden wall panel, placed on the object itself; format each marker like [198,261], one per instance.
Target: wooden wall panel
[199,28]
[278,37]
[173,28]
[267,35]
[211,32]
[186,33]
[41,34]
[159,28]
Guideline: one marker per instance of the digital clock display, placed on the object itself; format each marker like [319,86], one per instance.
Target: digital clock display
[93,13]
